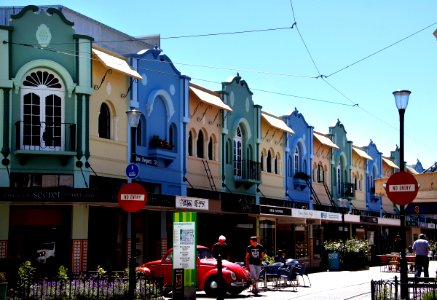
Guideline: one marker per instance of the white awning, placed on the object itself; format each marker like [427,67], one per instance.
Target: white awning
[210,98]
[276,122]
[325,140]
[116,63]
[390,163]
[411,170]
[362,153]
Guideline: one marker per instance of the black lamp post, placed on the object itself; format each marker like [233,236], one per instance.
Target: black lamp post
[133,116]
[401,98]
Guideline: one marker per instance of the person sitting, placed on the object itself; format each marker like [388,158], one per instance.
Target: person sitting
[280,256]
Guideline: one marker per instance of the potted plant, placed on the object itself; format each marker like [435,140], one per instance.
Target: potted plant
[3,285]
[333,250]
[355,256]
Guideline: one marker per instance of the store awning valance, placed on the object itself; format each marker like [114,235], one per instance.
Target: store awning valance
[116,63]
[325,140]
[277,123]
[210,98]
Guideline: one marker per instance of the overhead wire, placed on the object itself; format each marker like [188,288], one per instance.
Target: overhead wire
[324,77]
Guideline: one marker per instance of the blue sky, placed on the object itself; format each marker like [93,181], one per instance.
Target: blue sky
[365,50]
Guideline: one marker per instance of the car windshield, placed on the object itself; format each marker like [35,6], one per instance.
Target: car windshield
[201,253]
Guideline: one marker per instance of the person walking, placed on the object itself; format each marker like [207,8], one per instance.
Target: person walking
[221,248]
[421,248]
[254,258]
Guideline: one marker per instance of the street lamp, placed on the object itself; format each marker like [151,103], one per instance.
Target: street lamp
[401,98]
[133,117]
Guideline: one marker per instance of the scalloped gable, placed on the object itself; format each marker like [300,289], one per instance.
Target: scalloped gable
[236,80]
[157,56]
[35,9]
[297,115]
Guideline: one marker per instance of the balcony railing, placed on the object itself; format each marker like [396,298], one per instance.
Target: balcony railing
[247,171]
[42,136]
[347,190]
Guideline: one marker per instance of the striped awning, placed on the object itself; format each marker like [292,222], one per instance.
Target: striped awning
[361,153]
[390,163]
[325,140]
[277,122]
[209,97]
[115,63]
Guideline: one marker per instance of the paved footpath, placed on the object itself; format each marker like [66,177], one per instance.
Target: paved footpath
[334,285]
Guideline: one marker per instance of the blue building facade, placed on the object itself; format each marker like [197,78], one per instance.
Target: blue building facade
[162,98]
[299,157]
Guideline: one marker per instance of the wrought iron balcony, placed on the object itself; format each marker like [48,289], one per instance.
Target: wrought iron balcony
[347,190]
[247,171]
[42,136]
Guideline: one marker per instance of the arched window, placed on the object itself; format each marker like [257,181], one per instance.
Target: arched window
[296,160]
[276,163]
[320,173]
[200,144]
[210,149]
[172,134]
[338,181]
[104,122]
[269,162]
[262,161]
[190,143]
[42,97]
[238,145]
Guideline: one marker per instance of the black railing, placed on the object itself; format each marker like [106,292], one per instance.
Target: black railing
[247,170]
[41,136]
[418,288]
[347,190]
[86,286]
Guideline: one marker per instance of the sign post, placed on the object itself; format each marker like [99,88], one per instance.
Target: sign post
[132,197]
[185,253]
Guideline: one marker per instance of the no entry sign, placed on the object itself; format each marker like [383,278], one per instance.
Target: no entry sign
[401,188]
[132,197]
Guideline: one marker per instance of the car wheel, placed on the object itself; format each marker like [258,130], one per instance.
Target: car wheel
[211,286]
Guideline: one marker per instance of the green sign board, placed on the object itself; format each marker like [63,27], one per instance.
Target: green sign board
[185,245]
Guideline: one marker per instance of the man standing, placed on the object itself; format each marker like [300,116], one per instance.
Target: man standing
[254,259]
[221,248]
[421,248]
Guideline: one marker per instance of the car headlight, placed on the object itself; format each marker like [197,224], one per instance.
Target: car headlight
[233,276]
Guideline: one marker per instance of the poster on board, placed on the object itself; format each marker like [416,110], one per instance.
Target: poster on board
[184,245]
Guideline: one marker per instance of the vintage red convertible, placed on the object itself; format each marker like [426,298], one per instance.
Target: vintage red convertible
[236,277]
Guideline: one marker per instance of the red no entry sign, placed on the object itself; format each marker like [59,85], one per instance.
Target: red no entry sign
[401,188]
[132,197]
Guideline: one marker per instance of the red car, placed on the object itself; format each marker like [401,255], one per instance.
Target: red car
[235,276]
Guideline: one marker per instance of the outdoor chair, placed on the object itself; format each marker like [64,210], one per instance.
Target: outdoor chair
[301,270]
[270,273]
[384,261]
[288,275]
